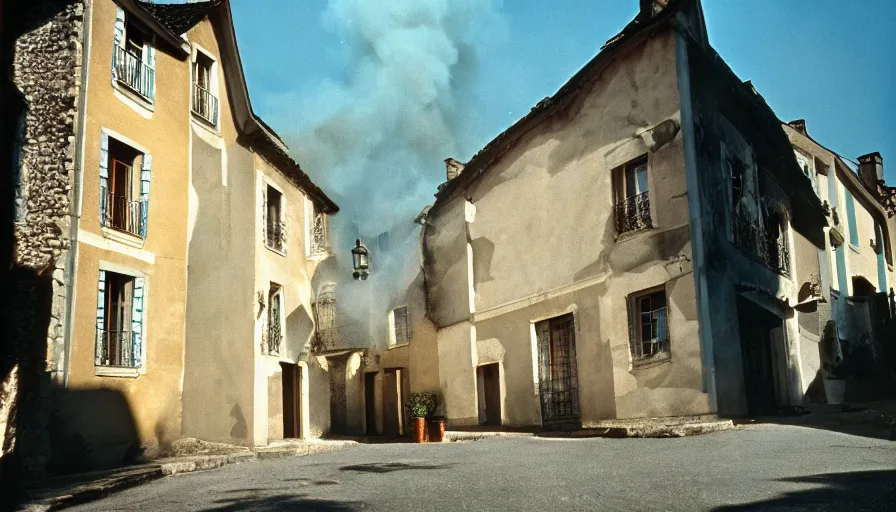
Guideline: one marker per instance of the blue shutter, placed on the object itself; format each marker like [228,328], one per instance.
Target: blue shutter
[145,175]
[137,321]
[104,177]
[100,317]
[118,38]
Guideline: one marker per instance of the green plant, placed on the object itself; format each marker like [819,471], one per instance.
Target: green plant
[421,404]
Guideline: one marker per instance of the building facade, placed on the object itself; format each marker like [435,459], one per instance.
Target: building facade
[165,242]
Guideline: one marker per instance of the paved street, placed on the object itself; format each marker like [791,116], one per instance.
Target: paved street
[767,467]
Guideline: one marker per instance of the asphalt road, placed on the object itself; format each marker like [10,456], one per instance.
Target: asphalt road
[761,467]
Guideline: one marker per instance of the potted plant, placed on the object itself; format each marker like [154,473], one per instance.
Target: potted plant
[420,405]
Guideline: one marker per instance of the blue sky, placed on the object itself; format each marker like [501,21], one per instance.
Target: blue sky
[830,62]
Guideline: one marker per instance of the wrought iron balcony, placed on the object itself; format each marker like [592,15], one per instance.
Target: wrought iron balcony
[273,337]
[752,238]
[275,235]
[633,213]
[205,104]
[318,236]
[116,348]
[130,70]
[125,215]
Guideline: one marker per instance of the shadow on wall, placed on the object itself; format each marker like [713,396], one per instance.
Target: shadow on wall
[861,490]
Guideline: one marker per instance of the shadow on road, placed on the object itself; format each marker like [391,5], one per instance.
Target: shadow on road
[388,467]
[855,491]
[281,502]
[870,419]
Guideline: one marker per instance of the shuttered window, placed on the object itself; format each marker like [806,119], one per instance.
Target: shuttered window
[119,320]
[398,326]
[125,175]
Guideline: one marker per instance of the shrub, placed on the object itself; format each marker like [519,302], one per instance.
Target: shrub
[421,404]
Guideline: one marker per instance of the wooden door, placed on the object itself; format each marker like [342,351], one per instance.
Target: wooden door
[391,422]
[490,394]
[292,401]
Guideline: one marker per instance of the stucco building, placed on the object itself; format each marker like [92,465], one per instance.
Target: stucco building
[165,239]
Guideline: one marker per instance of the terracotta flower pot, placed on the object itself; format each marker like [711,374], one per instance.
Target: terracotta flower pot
[438,430]
[420,429]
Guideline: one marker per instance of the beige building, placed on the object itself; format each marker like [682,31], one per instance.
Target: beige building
[177,236]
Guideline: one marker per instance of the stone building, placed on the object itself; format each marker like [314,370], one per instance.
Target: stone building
[165,241]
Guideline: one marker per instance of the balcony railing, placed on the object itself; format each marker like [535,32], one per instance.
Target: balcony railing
[130,70]
[275,235]
[318,236]
[753,239]
[633,213]
[205,104]
[116,348]
[125,215]
[272,336]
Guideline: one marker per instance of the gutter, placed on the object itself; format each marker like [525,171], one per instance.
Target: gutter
[77,192]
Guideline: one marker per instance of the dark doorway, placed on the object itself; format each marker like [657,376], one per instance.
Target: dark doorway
[391,403]
[861,287]
[489,394]
[760,334]
[370,402]
[292,401]
[558,379]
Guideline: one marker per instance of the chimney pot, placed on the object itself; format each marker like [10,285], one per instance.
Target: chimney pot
[650,8]
[799,125]
[871,170]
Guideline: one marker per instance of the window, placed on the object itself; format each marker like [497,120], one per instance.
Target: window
[317,243]
[557,370]
[324,308]
[124,192]
[805,163]
[133,57]
[205,102]
[648,327]
[851,218]
[777,253]
[119,320]
[383,241]
[632,198]
[274,334]
[398,326]
[275,228]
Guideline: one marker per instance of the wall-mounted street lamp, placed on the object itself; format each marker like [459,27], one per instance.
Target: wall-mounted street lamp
[360,260]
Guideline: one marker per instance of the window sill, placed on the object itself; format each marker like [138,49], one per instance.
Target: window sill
[318,256]
[205,123]
[123,237]
[633,233]
[134,96]
[115,371]
[281,252]
[854,248]
[644,365]
[399,345]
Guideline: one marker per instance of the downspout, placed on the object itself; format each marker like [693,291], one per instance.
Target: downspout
[688,131]
[77,192]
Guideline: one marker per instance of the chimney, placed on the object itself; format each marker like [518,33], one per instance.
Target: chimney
[799,125]
[871,170]
[453,168]
[650,8]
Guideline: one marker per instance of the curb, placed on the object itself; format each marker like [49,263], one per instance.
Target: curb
[106,486]
[657,431]
[464,437]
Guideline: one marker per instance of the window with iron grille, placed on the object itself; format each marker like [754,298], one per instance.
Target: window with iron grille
[632,197]
[119,320]
[557,371]
[275,227]
[133,57]
[275,320]
[205,100]
[124,187]
[317,237]
[648,327]
[398,326]
[326,335]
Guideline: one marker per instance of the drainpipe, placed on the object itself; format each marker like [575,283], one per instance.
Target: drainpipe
[75,215]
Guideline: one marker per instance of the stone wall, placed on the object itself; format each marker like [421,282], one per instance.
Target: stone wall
[46,56]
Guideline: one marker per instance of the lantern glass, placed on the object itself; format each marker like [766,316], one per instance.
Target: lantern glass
[360,257]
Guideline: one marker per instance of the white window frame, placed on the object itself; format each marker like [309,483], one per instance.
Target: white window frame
[265,183]
[109,371]
[393,341]
[309,226]
[134,99]
[213,86]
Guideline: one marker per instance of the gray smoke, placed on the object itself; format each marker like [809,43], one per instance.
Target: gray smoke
[375,141]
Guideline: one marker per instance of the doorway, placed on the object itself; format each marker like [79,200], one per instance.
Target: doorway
[392,402]
[370,403]
[763,350]
[557,374]
[489,384]
[292,400]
